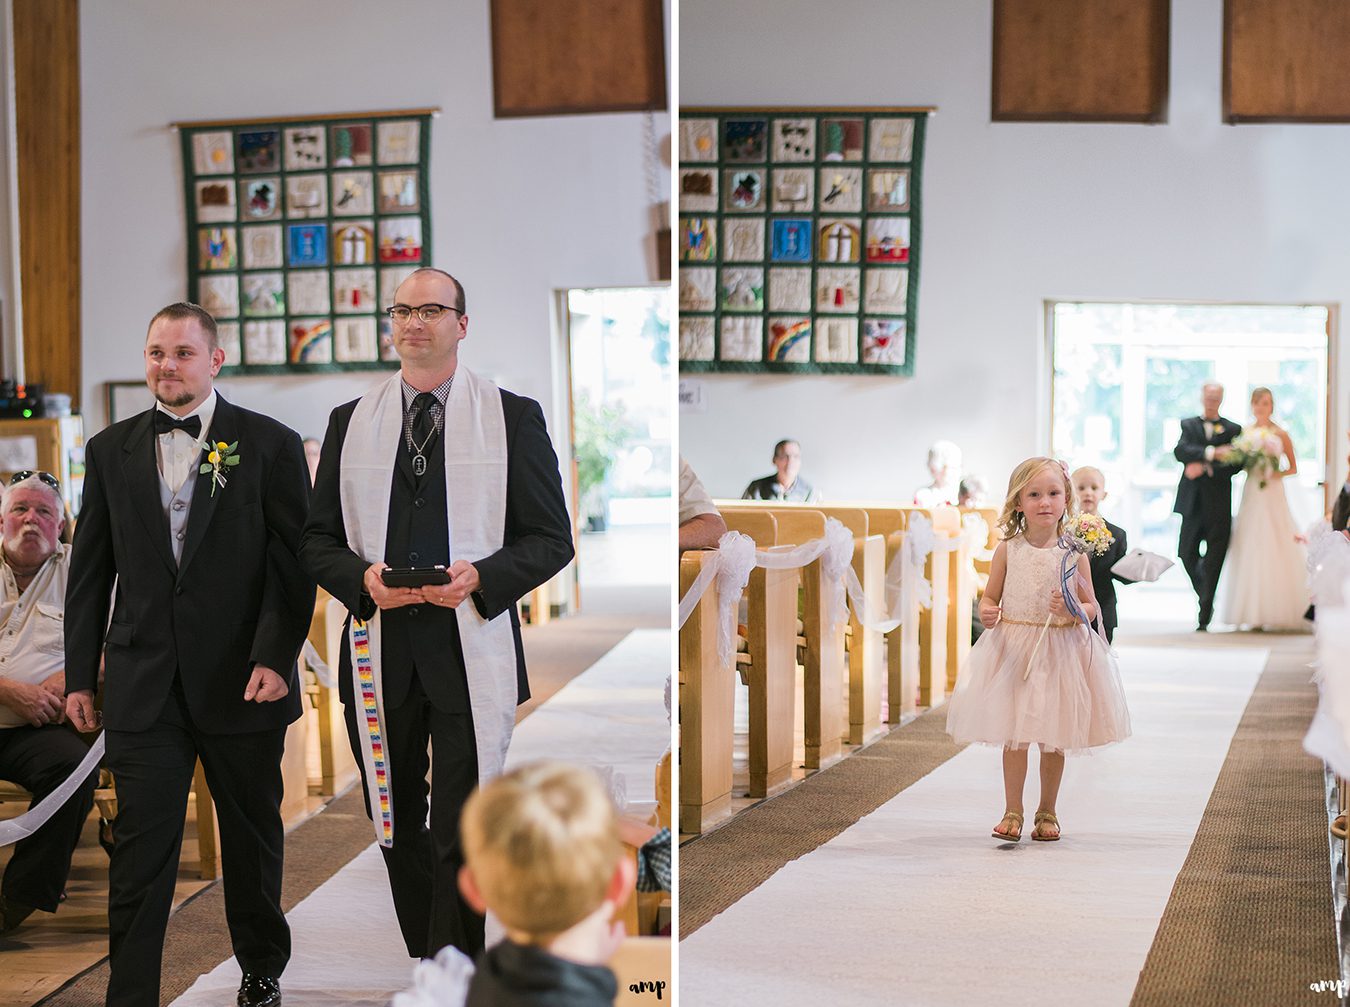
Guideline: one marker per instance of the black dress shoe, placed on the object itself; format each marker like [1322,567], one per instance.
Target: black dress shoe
[105,835]
[12,914]
[1202,628]
[258,991]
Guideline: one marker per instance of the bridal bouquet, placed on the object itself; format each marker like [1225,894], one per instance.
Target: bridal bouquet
[1257,452]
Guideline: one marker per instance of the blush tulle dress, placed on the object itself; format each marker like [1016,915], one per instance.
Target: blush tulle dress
[1072,700]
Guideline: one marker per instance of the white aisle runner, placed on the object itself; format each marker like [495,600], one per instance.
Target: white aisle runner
[346,949]
[917,905]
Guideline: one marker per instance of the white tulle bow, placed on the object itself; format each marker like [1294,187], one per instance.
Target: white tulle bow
[442,981]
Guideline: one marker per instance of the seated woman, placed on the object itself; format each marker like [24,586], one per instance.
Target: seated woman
[944,465]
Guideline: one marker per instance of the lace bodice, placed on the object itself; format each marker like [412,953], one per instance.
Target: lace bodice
[1032,574]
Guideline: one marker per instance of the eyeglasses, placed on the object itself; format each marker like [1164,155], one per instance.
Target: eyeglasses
[46,477]
[429,313]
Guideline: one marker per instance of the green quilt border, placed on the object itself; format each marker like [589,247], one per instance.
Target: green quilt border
[915,214]
[195,273]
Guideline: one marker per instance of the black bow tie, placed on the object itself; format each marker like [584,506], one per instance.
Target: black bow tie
[166,424]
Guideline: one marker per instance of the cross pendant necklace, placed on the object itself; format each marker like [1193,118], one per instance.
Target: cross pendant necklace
[419,454]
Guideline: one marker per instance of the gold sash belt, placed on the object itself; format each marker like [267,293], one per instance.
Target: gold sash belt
[1025,622]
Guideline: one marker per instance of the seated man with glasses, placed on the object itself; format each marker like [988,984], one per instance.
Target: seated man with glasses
[37,748]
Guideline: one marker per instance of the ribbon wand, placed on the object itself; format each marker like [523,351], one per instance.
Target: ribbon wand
[1086,534]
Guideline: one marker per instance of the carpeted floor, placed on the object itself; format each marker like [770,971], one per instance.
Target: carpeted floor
[611,716]
[1233,898]
[720,868]
[1250,917]
[197,939]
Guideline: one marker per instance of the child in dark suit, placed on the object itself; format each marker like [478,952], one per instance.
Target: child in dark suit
[1089,485]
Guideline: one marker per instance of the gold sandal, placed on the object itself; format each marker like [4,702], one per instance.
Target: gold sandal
[1037,834]
[1008,837]
[1338,827]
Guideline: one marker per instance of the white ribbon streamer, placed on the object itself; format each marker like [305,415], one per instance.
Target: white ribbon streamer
[837,564]
[1328,564]
[736,557]
[1328,736]
[35,818]
[317,665]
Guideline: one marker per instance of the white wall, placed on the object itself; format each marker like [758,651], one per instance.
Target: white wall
[520,207]
[1013,214]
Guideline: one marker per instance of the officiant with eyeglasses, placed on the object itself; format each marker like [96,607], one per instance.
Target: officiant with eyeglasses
[189,532]
[437,505]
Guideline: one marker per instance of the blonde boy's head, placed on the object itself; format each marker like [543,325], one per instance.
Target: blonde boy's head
[1089,485]
[542,844]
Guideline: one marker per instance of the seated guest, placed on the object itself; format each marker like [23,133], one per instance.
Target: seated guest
[1340,511]
[785,484]
[542,851]
[653,854]
[38,750]
[701,526]
[1339,518]
[944,465]
[313,448]
[1089,486]
[972,492]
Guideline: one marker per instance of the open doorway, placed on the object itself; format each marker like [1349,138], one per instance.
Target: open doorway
[620,369]
[1126,374]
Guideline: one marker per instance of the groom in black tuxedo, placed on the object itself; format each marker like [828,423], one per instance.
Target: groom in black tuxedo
[1205,496]
[210,612]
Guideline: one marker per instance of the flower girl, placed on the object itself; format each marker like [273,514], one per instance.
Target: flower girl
[1039,675]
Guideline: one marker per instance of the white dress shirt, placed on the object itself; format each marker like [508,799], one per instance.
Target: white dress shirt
[176,451]
[1209,436]
[32,626]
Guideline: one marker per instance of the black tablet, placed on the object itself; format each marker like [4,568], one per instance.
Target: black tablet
[414,576]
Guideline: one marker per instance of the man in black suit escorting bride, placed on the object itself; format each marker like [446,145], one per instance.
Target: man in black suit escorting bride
[194,510]
[1205,496]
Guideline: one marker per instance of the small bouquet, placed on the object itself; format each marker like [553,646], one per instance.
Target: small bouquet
[1257,451]
[1087,534]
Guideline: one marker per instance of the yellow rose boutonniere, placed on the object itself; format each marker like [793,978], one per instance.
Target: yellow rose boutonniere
[219,459]
[1218,428]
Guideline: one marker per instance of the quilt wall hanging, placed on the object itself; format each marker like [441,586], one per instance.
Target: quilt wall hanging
[799,239]
[300,230]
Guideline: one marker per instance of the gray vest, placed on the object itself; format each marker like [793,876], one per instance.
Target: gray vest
[177,506]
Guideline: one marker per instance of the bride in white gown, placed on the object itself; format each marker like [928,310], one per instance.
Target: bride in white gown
[1265,579]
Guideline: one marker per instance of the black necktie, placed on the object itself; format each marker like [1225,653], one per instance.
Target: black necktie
[165,424]
[423,429]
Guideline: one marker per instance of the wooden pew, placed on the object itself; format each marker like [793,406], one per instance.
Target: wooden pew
[902,646]
[772,674]
[933,626]
[917,652]
[823,660]
[639,965]
[707,700]
[334,767]
[960,599]
[867,659]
